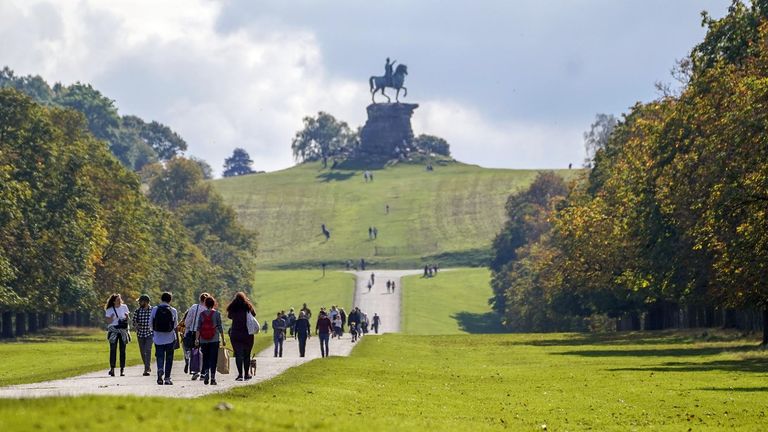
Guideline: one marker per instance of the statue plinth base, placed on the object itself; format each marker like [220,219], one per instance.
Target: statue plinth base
[387,132]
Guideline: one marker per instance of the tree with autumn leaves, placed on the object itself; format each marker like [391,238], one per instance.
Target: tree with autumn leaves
[76,226]
[670,218]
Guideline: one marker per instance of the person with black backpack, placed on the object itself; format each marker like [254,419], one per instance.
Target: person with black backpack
[210,334]
[164,320]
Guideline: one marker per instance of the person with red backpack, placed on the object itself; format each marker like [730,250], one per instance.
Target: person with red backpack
[164,320]
[210,334]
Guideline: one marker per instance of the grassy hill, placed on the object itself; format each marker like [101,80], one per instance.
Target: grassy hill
[448,215]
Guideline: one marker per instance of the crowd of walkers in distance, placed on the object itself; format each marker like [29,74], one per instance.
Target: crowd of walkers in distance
[430,270]
[330,324]
[199,333]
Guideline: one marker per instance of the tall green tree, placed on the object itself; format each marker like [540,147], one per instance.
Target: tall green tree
[239,163]
[321,137]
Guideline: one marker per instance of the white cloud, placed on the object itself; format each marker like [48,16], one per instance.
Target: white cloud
[475,139]
[249,88]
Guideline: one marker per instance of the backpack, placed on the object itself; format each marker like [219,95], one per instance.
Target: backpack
[163,321]
[207,328]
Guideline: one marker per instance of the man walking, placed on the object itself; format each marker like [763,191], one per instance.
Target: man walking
[278,334]
[164,320]
[376,322]
[141,323]
[302,332]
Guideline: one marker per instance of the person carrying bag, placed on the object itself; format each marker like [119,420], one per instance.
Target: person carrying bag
[210,335]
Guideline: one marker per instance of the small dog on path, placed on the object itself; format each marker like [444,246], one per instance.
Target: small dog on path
[252,369]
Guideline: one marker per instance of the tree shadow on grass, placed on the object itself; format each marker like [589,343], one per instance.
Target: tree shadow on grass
[662,352]
[756,365]
[737,389]
[470,322]
[664,337]
[335,176]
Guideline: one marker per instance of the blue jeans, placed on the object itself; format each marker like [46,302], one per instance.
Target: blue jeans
[164,355]
[278,344]
[324,337]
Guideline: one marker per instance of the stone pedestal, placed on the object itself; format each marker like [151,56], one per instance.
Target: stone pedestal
[388,127]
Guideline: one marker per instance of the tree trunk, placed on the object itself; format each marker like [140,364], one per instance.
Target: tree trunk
[21,324]
[32,324]
[7,325]
[43,320]
[765,325]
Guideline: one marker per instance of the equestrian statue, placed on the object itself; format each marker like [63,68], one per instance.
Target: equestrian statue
[393,80]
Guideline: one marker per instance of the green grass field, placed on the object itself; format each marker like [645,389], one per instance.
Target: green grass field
[56,353]
[615,382]
[449,215]
[455,301]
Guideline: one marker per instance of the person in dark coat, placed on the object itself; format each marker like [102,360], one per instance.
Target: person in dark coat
[376,323]
[343,318]
[302,328]
[323,328]
[242,342]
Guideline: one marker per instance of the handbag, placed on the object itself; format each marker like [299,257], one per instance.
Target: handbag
[191,335]
[252,323]
[121,323]
[194,360]
[222,366]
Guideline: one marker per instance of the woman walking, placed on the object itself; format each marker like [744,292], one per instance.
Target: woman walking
[116,313]
[141,323]
[242,342]
[210,335]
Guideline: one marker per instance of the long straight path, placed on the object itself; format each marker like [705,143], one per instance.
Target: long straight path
[378,301]
[133,383]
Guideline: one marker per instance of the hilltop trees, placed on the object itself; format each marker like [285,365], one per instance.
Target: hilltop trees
[432,144]
[239,163]
[322,137]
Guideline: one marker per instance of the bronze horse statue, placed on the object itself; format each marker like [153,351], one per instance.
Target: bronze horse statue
[380,83]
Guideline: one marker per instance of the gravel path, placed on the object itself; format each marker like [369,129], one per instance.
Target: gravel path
[387,305]
[133,383]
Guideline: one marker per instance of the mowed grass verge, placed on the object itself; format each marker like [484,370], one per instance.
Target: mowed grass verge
[449,215]
[619,382]
[454,301]
[56,353]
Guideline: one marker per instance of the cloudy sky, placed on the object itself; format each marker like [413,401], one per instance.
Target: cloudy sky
[507,83]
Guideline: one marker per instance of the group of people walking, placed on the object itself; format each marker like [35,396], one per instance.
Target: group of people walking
[329,325]
[199,333]
[430,270]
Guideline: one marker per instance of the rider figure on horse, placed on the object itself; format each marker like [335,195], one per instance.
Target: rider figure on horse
[388,72]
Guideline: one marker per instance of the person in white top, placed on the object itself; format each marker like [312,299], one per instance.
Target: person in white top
[191,319]
[116,315]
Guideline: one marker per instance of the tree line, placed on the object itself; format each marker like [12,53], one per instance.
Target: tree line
[76,224]
[667,225]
